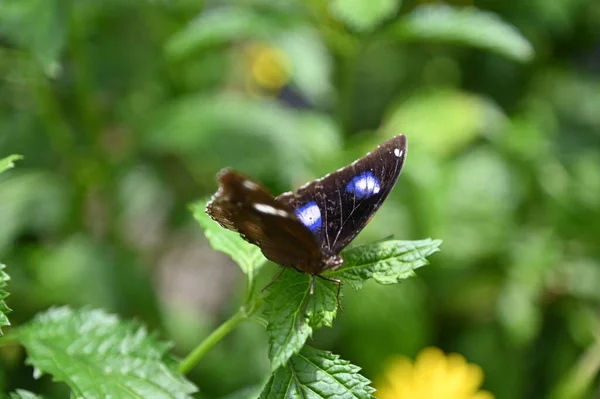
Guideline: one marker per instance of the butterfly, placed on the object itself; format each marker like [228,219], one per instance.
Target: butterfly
[307,229]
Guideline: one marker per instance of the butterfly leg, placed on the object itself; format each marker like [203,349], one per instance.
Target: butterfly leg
[339,290]
[277,276]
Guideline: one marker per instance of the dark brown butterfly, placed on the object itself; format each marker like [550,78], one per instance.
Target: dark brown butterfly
[308,228]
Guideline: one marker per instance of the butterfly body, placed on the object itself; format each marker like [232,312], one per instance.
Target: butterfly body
[308,228]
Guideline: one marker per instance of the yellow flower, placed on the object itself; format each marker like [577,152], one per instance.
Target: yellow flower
[433,375]
[269,66]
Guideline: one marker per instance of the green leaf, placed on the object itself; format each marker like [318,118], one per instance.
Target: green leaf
[460,119]
[312,61]
[37,26]
[467,26]
[364,15]
[313,374]
[220,26]
[9,162]
[223,129]
[247,256]
[245,393]
[293,313]
[33,201]
[386,262]
[99,356]
[22,394]
[4,310]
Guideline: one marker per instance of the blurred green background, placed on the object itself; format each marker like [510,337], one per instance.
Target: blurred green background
[125,110]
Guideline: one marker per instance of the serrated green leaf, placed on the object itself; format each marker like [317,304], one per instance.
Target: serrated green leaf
[99,356]
[467,26]
[314,374]
[293,313]
[9,162]
[247,256]
[22,394]
[364,15]
[4,310]
[386,262]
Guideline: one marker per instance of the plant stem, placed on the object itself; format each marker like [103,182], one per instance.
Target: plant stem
[207,344]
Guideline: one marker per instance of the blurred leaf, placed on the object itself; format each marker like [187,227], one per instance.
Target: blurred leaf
[398,315]
[9,162]
[314,373]
[479,199]
[467,26]
[4,310]
[386,262]
[364,15]
[564,90]
[99,356]
[21,394]
[459,119]
[312,63]
[581,380]
[33,201]
[225,129]
[248,257]
[220,26]
[60,268]
[581,278]
[37,26]
[519,314]
[245,393]
[293,313]
[534,256]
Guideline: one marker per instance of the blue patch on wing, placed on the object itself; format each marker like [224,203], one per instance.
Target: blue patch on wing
[310,216]
[364,185]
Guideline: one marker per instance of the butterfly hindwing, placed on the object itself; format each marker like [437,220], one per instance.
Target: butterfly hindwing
[246,207]
[338,206]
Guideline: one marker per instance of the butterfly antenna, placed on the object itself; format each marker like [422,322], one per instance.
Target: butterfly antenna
[339,290]
[277,276]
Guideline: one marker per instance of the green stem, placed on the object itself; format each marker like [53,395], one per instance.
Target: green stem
[198,353]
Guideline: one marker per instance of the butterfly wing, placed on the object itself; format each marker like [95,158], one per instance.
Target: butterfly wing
[246,207]
[338,206]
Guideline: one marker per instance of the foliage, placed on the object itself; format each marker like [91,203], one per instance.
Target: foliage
[5,163]
[8,162]
[124,112]
[21,394]
[313,373]
[293,314]
[99,356]
[442,23]
[4,310]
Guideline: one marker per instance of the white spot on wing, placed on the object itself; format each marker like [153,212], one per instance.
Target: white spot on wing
[268,209]
[397,152]
[250,185]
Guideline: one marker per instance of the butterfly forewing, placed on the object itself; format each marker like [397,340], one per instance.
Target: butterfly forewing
[246,207]
[338,206]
